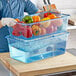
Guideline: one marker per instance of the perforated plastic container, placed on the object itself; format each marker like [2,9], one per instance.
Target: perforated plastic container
[42,28]
[29,51]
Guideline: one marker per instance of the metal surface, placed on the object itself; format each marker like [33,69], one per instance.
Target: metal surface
[4,71]
[47,4]
[60,73]
[72,51]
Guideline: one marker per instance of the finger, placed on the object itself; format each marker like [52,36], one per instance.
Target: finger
[12,23]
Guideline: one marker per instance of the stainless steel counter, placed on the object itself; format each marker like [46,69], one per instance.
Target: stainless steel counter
[4,71]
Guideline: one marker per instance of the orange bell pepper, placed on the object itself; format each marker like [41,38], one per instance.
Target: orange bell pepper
[36,18]
[52,16]
[17,19]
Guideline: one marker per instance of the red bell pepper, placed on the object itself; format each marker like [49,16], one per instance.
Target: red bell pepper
[46,14]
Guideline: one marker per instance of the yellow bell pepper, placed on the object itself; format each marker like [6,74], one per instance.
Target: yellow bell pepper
[44,19]
[45,24]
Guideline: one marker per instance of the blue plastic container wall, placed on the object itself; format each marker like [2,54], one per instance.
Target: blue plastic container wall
[42,28]
[28,51]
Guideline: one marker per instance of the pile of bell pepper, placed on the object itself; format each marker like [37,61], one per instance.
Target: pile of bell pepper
[36,29]
[32,19]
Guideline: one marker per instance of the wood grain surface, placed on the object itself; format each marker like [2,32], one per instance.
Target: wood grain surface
[65,62]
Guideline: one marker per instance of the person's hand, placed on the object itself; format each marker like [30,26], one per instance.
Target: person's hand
[39,11]
[8,21]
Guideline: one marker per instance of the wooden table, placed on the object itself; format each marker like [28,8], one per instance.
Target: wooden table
[65,62]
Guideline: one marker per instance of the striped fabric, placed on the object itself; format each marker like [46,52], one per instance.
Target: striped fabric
[13,9]
[16,8]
